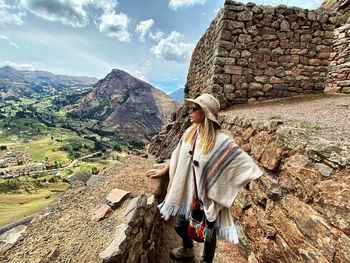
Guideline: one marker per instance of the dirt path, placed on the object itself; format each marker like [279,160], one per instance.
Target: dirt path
[330,111]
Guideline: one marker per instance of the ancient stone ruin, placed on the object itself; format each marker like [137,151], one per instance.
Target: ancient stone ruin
[338,78]
[252,52]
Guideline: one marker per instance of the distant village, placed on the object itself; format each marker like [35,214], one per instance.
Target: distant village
[14,163]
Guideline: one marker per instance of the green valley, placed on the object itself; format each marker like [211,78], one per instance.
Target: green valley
[41,148]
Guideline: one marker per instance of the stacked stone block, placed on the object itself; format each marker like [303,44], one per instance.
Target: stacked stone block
[262,53]
[201,67]
[339,71]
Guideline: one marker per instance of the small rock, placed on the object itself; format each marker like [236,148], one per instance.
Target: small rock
[93,180]
[12,235]
[324,170]
[115,196]
[100,212]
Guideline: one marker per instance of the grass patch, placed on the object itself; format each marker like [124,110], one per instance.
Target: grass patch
[311,125]
[275,117]
[14,206]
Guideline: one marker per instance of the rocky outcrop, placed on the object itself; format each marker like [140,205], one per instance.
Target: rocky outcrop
[252,52]
[125,105]
[135,241]
[299,210]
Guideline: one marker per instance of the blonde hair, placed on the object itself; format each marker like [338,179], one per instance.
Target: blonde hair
[208,136]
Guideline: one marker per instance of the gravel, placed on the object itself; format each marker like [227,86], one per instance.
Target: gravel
[324,115]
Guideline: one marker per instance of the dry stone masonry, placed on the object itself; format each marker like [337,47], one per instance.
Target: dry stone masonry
[255,52]
[339,70]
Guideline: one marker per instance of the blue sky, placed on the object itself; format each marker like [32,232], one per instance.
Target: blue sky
[150,39]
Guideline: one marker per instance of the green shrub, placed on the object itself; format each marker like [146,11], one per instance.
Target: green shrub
[311,125]
[7,185]
[275,117]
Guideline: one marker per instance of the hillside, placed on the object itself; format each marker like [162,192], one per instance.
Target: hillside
[25,83]
[72,236]
[124,104]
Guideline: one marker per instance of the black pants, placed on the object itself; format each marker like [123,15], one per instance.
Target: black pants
[181,225]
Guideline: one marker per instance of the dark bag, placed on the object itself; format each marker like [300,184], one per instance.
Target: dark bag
[198,228]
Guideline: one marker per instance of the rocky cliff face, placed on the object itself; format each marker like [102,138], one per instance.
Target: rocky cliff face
[126,105]
[299,210]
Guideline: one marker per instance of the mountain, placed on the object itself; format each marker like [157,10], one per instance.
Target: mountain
[125,105]
[178,95]
[26,83]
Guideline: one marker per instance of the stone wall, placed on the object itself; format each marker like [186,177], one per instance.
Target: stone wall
[262,53]
[299,210]
[203,56]
[339,71]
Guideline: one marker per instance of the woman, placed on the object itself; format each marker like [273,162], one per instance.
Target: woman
[221,169]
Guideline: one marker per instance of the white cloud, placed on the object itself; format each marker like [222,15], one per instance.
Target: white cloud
[10,15]
[115,25]
[3,5]
[69,12]
[107,6]
[171,49]
[143,28]
[10,18]
[22,66]
[74,13]
[175,4]
[137,74]
[8,41]
[157,36]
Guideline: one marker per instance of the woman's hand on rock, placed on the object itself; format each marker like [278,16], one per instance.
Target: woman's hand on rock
[154,173]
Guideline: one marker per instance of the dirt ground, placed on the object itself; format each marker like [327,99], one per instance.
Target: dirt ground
[328,113]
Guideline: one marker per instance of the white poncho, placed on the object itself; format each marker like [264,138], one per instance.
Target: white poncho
[220,175]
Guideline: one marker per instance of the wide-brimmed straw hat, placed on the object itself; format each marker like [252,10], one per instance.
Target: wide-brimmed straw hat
[210,106]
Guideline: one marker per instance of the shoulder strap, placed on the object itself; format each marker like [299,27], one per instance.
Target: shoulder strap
[193,170]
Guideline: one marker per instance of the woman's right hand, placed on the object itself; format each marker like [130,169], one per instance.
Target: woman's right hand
[154,173]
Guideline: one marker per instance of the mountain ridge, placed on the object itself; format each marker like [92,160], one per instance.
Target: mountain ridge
[27,83]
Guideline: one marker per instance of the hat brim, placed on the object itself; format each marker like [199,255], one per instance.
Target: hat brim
[206,111]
